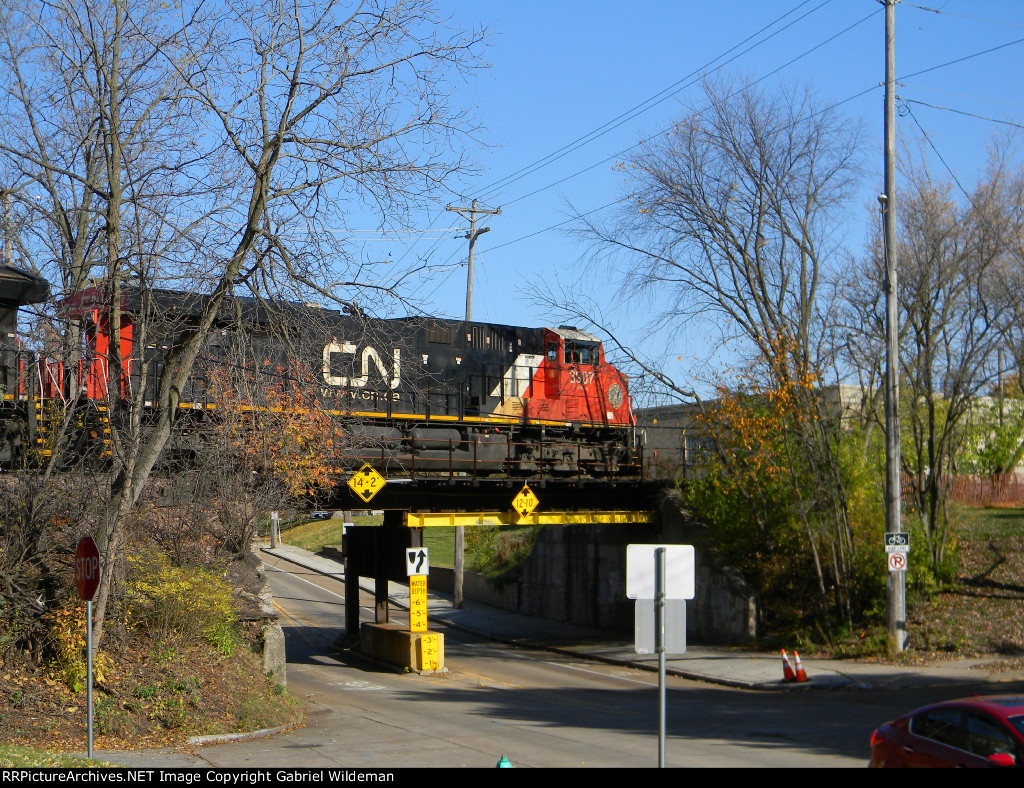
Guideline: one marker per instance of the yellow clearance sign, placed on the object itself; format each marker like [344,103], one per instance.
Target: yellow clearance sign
[525,502]
[366,482]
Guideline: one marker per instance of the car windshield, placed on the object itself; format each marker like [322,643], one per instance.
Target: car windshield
[1017,722]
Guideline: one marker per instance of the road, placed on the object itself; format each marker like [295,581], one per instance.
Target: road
[540,709]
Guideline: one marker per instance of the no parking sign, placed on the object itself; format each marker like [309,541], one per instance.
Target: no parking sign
[897,545]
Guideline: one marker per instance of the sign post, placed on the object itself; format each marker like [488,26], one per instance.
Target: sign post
[417,565]
[662,574]
[87,580]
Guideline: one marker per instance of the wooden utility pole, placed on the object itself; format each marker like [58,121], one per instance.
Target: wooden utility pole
[896,599]
[471,214]
[460,532]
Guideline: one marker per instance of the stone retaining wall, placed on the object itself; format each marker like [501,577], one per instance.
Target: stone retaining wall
[577,574]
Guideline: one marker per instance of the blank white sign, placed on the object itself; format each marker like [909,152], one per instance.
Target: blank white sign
[679,571]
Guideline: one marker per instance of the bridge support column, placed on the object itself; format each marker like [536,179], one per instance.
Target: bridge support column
[352,570]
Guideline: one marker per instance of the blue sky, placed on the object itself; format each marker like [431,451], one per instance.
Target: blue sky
[561,71]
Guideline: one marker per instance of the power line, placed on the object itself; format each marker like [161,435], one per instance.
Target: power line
[648,103]
[961,59]
[628,115]
[774,71]
[963,112]
[961,16]
[652,101]
[962,95]
[931,144]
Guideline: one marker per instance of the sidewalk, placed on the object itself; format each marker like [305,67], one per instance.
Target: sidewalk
[733,667]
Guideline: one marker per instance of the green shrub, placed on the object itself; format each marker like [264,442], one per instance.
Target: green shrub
[497,552]
[191,602]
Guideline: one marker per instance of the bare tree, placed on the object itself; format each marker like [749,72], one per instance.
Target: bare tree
[234,140]
[728,223]
[728,217]
[958,303]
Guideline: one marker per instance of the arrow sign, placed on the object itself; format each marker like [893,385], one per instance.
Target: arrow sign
[417,561]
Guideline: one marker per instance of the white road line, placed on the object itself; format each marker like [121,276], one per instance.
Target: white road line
[304,580]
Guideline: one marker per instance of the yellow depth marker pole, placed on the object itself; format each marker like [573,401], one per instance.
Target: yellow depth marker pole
[429,642]
[418,603]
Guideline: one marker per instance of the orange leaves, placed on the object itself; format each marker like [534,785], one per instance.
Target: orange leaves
[752,422]
[300,438]
[278,426]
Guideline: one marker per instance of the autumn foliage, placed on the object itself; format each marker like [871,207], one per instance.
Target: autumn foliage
[282,430]
[776,489]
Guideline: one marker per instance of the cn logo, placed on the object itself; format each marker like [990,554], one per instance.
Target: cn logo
[367,357]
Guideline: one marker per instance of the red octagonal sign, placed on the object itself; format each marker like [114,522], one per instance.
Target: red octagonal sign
[87,568]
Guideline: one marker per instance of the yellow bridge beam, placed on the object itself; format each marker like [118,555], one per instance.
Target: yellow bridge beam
[447,519]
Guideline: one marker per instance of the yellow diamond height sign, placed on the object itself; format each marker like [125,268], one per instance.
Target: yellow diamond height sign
[525,502]
[366,482]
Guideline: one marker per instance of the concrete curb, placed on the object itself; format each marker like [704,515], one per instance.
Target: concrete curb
[216,738]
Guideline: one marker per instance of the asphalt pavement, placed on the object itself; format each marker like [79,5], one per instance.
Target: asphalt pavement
[732,667]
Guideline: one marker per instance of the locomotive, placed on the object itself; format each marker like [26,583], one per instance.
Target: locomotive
[17,392]
[415,395]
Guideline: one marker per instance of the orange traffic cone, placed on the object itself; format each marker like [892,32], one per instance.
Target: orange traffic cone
[801,674]
[787,669]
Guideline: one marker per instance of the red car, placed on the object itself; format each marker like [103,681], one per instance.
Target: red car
[979,731]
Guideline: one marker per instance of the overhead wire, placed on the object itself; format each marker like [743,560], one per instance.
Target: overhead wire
[654,100]
[932,145]
[963,112]
[648,103]
[648,139]
[619,119]
[960,16]
[774,71]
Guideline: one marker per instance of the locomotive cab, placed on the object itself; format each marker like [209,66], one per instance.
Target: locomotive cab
[576,384]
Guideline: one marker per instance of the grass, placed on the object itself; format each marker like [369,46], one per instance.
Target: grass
[495,552]
[485,548]
[316,534]
[978,612]
[993,523]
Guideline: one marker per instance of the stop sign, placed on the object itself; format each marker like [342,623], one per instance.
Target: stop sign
[87,568]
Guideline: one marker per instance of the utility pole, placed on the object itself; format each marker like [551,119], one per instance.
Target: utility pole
[896,599]
[460,531]
[472,235]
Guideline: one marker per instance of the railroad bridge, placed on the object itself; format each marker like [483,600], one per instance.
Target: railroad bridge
[414,503]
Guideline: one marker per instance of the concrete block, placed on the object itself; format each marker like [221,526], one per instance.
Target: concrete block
[396,645]
[274,658]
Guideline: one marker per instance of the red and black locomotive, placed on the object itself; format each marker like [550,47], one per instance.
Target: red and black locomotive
[418,395]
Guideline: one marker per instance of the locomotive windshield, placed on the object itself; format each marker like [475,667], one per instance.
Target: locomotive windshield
[580,352]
